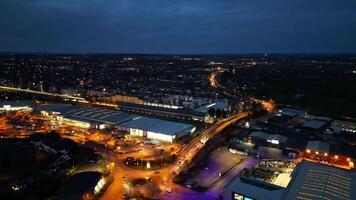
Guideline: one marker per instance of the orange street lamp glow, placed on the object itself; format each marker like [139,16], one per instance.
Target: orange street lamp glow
[308,151]
[348,159]
[336,156]
[325,154]
[317,152]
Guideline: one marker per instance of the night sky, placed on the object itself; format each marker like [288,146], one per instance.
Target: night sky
[178,26]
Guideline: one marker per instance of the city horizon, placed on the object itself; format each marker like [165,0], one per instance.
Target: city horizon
[177,100]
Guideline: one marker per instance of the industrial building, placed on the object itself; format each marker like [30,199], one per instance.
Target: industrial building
[220,105]
[323,151]
[345,126]
[314,125]
[266,138]
[84,117]
[293,112]
[268,181]
[99,118]
[319,148]
[157,129]
[173,113]
[307,180]
[316,181]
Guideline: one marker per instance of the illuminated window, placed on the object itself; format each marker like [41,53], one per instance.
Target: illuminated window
[238,197]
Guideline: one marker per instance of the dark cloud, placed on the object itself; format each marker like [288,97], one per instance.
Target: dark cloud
[178,26]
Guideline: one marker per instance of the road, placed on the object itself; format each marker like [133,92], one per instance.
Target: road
[191,149]
[163,180]
[270,105]
[218,186]
[213,130]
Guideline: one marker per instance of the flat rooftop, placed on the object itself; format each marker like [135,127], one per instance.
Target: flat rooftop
[316,182]
[314,124]
[221,105]
[325,119]
[307,181]
[289,111]
[318,146]
[100,115]
[160,109]
[268,180]
[255,189]
[267,136]
[88,114]
[274,172]
[156,125]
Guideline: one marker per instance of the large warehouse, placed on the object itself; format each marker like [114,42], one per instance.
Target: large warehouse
[308,180]
[99,118]
[157,129]
[84,117]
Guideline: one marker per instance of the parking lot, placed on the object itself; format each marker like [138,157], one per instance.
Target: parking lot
[220,161]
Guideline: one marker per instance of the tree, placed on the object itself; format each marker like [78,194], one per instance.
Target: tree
[211,112]
[218,113]
[223,114]
[53,135]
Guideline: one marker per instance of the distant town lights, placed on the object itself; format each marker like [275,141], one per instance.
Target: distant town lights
[325,154]
[308,151]
[317,152]
[336,156]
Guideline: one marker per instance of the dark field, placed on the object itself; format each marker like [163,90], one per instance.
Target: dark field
[319,90]
[321,87]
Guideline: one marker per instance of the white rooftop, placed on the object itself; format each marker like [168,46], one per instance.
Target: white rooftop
[157,125]
[255,189]
[88,114]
